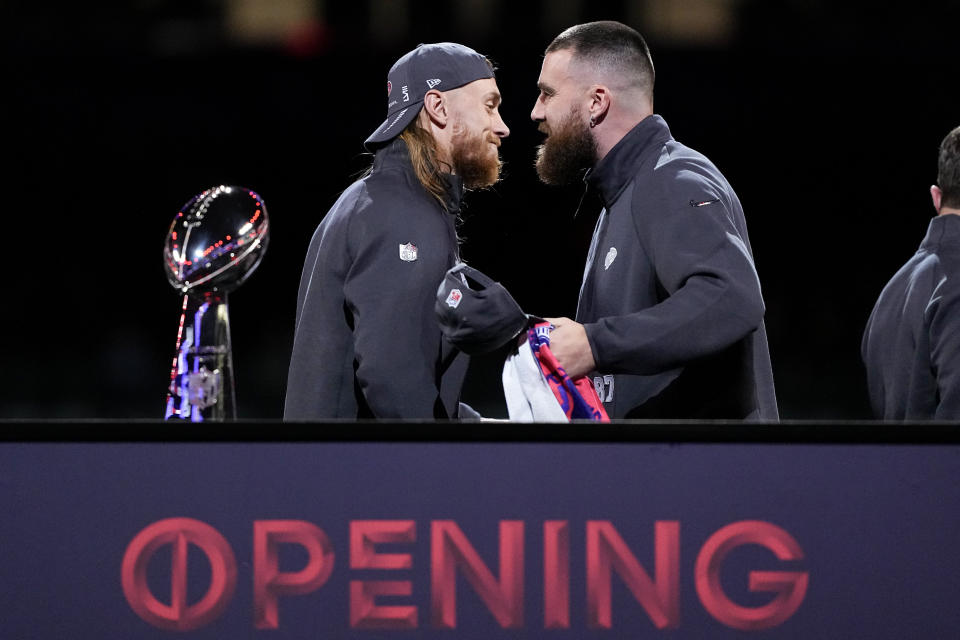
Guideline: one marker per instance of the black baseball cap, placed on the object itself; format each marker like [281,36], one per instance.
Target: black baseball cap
[441,66]
[476,314]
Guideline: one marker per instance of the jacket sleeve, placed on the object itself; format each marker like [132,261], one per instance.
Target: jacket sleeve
[390,301]
[712,290]
[945,353]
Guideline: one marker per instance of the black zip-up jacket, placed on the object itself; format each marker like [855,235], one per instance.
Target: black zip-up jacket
[670,298]
[367,343]
[911,346]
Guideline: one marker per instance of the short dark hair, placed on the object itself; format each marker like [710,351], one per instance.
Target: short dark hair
[610,44]
[948,170]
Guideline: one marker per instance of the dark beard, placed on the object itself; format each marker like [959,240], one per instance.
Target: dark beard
[472,162]
[568,151]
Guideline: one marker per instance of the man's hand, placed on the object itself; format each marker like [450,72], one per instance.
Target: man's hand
[568,343]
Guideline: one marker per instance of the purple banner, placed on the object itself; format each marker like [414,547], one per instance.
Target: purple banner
[479,540]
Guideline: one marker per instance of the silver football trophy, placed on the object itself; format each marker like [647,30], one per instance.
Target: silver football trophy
[215,242]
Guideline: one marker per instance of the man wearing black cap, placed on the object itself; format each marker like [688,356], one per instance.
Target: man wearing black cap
[670,318]
[911,346]
[367,342]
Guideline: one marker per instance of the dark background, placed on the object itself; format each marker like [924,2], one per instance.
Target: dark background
[825,117]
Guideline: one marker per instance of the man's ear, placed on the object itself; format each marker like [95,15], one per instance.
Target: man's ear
[936,193]
[435,104]
[599,103]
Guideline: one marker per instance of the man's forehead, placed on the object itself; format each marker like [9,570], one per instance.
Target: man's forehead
[482,87]
[556,66]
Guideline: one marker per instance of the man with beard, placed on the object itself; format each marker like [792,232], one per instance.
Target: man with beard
[670,318]
[367,342]
[911,346]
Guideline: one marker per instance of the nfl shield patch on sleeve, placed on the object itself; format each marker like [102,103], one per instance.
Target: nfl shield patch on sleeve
[408,252]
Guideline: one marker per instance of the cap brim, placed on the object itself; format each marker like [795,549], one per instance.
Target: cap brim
[393,125]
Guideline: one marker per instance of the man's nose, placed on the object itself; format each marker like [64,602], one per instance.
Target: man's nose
[500,128]
[538,113]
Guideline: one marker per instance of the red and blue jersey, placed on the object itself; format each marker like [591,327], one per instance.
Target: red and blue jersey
[578,399]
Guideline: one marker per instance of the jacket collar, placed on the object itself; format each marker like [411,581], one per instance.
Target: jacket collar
[943,229]
[396,155]
[612,174]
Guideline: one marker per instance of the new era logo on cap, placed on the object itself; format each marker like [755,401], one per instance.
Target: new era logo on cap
[433,82]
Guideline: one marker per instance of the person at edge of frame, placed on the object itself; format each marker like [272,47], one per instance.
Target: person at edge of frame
[669,321]
[367,344]
[911,345]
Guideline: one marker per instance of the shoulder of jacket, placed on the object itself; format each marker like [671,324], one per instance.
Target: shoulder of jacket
[680,177]
[349,200]
[391,196]
[678,161]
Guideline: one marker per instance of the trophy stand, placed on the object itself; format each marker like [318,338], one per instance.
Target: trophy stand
[201,379]
[214,243]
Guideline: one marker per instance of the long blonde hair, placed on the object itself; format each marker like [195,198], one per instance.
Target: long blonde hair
[424,156]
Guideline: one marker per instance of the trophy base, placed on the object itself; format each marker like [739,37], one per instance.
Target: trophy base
[201,380]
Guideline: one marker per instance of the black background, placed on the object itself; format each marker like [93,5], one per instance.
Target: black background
[825,117]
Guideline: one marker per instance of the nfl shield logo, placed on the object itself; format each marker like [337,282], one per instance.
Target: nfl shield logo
[453,300]
[408,252]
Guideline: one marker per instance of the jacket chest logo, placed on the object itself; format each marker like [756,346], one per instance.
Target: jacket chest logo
[408,252]
[611,256]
